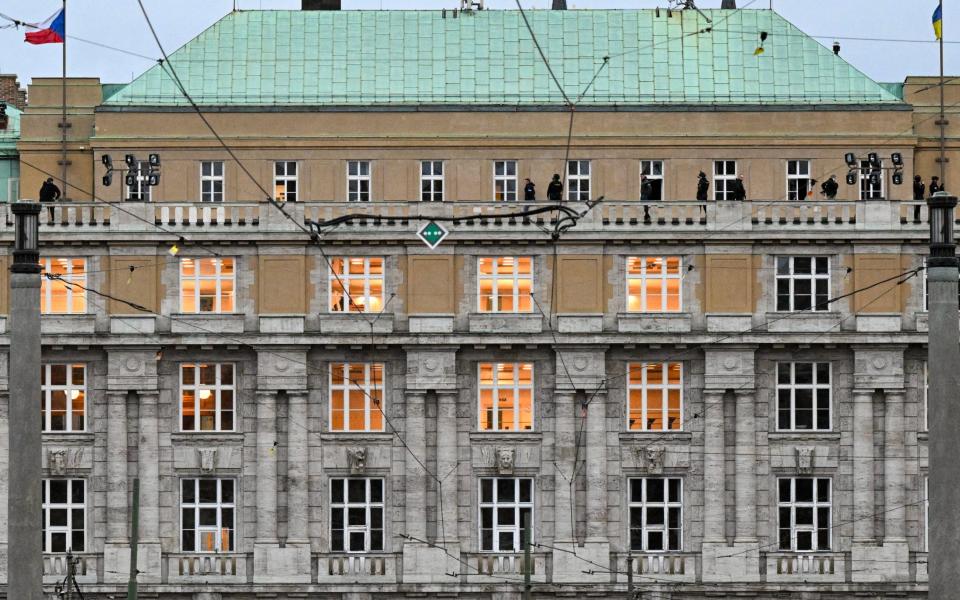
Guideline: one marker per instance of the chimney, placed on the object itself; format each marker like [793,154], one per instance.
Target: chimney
[320,5]
[559,4]
[10,92]
[729,4]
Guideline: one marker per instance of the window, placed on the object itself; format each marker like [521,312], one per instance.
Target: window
[653,171]
[505,284]
[140,190]
[724,174]
[207,285]
[798,179]
[207,512]
[64,393]
[505,503]
[506,396]
[356,515]
[869,191]
[64,515]
[57,296]
[211,181]
[653,283]
[431,180]
[358,181]
[356,397]
[655,395]
[803,283]
[803,513]
[578,180]
[656,514]
[207,401]
[505,180]
[285,181]
[356,285]
[803,396]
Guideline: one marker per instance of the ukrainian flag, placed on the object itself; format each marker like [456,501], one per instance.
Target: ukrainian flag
[938,21]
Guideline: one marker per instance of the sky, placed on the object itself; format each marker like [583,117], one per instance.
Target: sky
[120,24]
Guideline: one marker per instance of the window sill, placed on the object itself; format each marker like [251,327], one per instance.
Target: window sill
[666,436]
[802,322]
[654,322]
[506,436]
[206,437]
[206,323]
[353,437]
[505,323]
[67,323]
[792,436]
[78,437]
[334,323]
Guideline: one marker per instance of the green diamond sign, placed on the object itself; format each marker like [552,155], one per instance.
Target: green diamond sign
[432,234]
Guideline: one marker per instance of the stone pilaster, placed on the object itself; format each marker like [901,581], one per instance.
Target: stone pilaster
[447,452]
[148,468]
[714,479]
[297,458]
[117,468]
[415,478]
[266,468]
[596,469]
[746,478]
[563,470]
[894,468]
[863,464]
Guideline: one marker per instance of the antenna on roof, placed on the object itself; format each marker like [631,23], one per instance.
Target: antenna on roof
[690,5]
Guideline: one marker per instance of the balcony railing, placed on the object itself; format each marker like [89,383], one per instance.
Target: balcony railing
[654,567]
[356,568]
[803,566]
[611,216]
[495,568]
[85,568]
[194,568]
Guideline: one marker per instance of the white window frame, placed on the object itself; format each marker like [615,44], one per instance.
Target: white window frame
[515,278]
[792,387]
[667,505]
[70,506]
[430,178]
[643,277]
[68,389]
[802,173]
[723,193]
[13,189]
[342,280]
[510,392]
[219,505]
[216,390]
[369,508]
[502,181]
[644,387]
[363,175]
[518,507]
[219,277]
[74,294]
[866,190]
[926,397]
[575,174]
[285,179]
[792,277]
[141,190]
[211,180]
[647,168]
[373,395]
[815,504]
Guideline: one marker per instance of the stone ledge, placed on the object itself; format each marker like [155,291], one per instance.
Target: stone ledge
[802,322]
[332,323]
[133,324]
[721,323]
[505,323]
[281,323]
[438,323]
[879,323]
[654,322]
[68,324]
[923,322]
[587,323]
[203,323]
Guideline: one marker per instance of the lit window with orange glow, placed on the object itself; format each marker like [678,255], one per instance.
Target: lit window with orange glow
[356,284]
[207,515]
[505,284]
[506,397]
[207,397]
[64,392]
[62,295]
[356,397]
[655,396]
[207,285]
[653,284]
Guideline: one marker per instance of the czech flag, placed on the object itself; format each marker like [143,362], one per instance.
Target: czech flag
[938,21]
[51,31]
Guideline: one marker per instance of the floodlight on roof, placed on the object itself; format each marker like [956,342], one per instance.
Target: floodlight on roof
[851,159]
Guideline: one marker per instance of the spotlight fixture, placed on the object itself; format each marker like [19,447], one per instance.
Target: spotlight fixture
[897,159]
[851,159]
[852,178]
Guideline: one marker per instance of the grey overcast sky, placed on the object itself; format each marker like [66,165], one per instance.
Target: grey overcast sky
[119,23]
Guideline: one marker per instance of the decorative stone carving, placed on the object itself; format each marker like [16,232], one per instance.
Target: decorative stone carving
[805,459]
[506,458]
[650,459]
[357,457]
[208,459]
[61,459]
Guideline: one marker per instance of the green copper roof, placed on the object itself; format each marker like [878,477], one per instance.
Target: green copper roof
[361,58]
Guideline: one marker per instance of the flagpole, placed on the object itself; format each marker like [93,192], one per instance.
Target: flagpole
[943,118]
[63,123]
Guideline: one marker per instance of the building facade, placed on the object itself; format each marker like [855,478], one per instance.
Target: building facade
[709,397]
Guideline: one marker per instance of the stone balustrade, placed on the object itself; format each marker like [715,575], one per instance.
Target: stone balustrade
[357,568]
[819,567]
[210,568]
[85,568]
[658,567]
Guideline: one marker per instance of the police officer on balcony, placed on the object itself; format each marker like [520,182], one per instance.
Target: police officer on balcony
[49,192]
[555,189]
[530,191]
[830,188]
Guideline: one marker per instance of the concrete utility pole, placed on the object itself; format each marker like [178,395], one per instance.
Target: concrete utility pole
[24,550]
[943,364]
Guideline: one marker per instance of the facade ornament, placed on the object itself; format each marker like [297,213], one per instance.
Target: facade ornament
[57,461]
[357,457]
[505,460]
[650,459]
[208,459]
[805,459]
